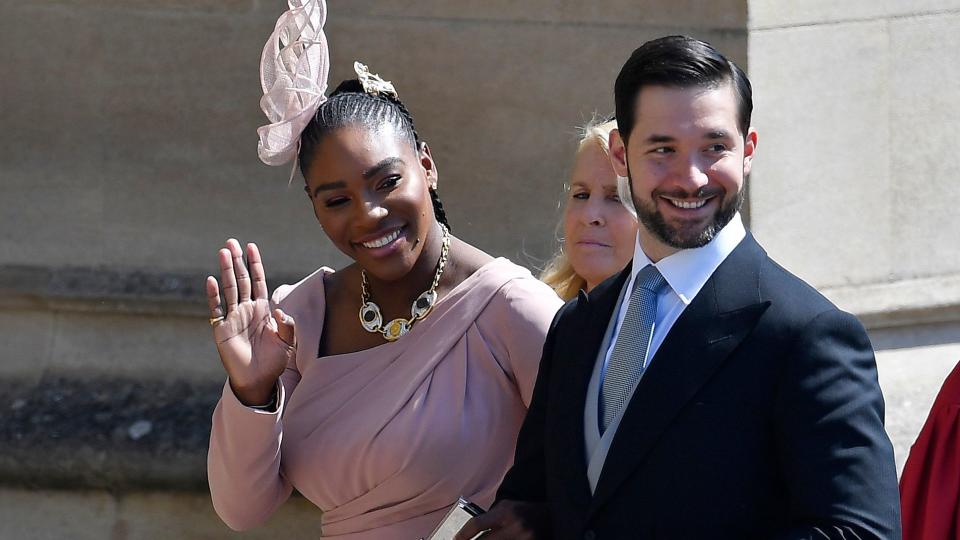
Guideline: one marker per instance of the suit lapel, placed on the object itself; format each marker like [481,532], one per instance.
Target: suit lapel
[721,315]
[578,351]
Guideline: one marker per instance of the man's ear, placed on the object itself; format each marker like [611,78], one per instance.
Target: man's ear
[429,166]
[618,153]
[749,150]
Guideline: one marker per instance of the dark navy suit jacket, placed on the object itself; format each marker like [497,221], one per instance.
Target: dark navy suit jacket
[760,416]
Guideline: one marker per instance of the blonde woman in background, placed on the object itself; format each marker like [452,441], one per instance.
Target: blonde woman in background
[599,222]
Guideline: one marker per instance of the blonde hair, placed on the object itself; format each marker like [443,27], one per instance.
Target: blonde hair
[559,273]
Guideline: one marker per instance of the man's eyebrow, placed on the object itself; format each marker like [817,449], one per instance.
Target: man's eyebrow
[339,184]
[717,134]
[658,139]
[379,167]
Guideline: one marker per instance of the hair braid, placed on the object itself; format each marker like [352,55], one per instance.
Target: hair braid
[438,209]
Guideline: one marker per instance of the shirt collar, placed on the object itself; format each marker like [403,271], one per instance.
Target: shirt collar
[688,270]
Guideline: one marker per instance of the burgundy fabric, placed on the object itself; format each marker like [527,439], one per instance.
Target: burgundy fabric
[930,484]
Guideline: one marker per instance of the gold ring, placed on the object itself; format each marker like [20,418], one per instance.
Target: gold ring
[215,320]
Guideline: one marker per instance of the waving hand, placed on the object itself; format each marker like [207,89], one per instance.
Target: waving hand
[254,342]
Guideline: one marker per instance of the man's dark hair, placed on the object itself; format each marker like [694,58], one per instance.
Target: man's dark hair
[680,62]
[349,105]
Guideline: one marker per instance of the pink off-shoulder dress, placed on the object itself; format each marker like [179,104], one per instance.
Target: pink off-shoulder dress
[384,440]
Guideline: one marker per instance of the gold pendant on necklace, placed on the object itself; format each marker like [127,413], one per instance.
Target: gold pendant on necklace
[395,329]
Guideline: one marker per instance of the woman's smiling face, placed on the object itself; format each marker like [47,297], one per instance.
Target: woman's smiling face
[599,232]
[370,193]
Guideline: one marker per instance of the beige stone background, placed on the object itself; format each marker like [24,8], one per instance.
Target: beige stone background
[128,154]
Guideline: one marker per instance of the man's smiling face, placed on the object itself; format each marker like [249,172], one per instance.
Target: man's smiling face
[686,160]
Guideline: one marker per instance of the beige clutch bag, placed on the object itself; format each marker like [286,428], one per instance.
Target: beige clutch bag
[461,512]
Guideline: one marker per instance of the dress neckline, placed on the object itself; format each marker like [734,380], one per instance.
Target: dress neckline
[402,343]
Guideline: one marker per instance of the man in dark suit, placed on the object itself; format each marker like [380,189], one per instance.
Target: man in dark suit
[704,392]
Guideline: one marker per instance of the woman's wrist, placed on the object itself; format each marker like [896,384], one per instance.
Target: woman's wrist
[270,406]
[258,398]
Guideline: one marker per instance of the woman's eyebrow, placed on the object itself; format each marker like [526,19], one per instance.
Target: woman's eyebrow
[339,184]
[379,167]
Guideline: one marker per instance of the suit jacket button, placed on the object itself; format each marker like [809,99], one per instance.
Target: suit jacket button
[589,535]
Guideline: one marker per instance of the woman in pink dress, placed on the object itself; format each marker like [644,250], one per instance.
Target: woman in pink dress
[386,389]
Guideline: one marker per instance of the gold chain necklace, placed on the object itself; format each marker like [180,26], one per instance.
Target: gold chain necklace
[372,320]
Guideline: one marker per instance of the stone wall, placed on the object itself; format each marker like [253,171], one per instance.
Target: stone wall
[853,188]
[128,155]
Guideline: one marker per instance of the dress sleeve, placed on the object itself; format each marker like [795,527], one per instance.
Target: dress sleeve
[515,324]
[526,480]
[243,462]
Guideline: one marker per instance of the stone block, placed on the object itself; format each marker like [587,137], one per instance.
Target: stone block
[87,345]
[27,337]
[50,196]
[925,123]
[918,336]
[90,514]
[901,303]
[106,432]
[782,13]
[167,8]
[821,186]
[50,216]
[52,515]
[160,516]
[729,14]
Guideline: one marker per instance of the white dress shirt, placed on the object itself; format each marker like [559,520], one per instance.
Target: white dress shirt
[686,272]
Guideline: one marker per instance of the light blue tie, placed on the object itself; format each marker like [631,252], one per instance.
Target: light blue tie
[628,359]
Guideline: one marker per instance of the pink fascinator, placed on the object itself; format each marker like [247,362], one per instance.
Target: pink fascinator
[293,73]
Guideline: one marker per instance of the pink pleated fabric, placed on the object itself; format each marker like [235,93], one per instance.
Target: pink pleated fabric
[385,440]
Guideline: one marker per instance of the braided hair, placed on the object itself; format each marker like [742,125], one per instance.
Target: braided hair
[350,105]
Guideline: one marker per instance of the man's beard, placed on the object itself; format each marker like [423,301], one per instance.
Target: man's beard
[679,238]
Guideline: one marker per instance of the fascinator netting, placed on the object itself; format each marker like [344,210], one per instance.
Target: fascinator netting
[294,67]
